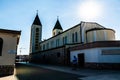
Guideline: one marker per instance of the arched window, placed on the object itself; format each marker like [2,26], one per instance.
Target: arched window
[1,45]
[73,37]
[65,39]
[76,37]
[53,33]
[37,29]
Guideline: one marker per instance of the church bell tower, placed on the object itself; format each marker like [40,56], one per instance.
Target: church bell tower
[36,35]
[57,28]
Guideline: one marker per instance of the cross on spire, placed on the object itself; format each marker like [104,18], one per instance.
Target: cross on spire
[57,25]
[57,17]
[37,12]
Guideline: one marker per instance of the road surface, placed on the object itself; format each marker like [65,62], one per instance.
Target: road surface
[27,72]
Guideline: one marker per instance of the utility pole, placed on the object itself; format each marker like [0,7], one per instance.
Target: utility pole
[20,57]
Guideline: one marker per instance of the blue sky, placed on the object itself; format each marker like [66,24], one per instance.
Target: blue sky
[19,15]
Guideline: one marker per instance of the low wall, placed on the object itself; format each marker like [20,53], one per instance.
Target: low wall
[6,70]
[112,66]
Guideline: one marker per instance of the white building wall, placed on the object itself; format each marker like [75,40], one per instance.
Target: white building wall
[91,55]
[95,55]
[86,26]
[110,58]
[67,34]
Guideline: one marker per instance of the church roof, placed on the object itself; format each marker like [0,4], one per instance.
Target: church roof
[57,25]
[37,21]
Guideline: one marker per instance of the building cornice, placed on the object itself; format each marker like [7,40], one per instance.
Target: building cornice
[10,31]
[95,29]
[97,44]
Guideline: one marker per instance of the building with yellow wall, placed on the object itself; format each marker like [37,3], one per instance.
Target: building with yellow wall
[9,40]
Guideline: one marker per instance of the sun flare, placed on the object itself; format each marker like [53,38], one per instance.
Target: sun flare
[90,10]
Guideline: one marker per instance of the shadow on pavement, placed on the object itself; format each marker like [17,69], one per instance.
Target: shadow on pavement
[4,75]
[27,72]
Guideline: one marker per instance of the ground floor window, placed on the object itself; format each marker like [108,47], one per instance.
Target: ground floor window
[1,45]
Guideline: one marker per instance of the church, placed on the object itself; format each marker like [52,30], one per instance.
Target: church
[93,44]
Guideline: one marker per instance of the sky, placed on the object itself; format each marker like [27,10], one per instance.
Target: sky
[20,14]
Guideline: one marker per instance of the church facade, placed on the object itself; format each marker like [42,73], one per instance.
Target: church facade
[59,48]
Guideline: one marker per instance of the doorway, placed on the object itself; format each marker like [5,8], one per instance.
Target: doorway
[81,60]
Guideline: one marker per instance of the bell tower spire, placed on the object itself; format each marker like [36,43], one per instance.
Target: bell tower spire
[37,20]
[36,34]
[57,28]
